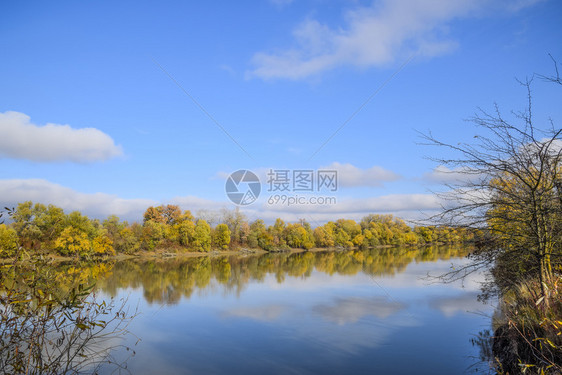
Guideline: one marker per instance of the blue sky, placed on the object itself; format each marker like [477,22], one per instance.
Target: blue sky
[94,113]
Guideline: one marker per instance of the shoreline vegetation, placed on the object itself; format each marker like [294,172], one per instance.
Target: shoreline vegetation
[37,229]
[509,186]
[162,254]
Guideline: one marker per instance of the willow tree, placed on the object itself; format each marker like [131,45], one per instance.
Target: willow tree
[508,186]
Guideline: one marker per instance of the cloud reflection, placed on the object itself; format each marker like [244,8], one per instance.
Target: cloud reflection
[262,313]
[451,306]
[351,309]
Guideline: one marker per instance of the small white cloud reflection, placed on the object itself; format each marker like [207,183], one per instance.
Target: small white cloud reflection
[451,306]
[146,361]
[357,322]
[352,309]
[424,275]
[262,313]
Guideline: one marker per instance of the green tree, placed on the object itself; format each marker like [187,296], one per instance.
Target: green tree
[81,223]
[8,241]
[259,236]
[26,224]
[152,234]
[186,232]
[276,232]
[425,233]
[296,236]
[113,226]
[128,240]
[222,236]
[202,236]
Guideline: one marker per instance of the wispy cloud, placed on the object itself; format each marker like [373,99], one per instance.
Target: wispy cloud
[194,203]
[406,206]
[101,205]
[352,176]
[281,3]
[444,175]
[98,205]
[348,174]
[21,139]
[374,35]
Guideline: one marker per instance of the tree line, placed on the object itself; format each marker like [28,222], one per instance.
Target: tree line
[43,228]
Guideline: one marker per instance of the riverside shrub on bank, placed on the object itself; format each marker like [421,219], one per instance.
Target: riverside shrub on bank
[528,340]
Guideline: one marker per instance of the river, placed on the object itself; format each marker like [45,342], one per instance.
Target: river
[348,312]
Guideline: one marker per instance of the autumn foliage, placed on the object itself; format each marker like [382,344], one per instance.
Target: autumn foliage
[48,229]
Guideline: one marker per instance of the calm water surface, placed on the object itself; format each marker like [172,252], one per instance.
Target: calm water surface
[354,312]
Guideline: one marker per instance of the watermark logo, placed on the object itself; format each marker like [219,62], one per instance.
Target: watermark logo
[302,180]
[243,187]
[288,187]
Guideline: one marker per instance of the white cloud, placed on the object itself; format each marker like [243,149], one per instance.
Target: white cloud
[443,175]
[351,176]
[197,203]
[97,205]
[21,139]
[348,174]
[100,205]
[406,206]
[206,209]
[373,36]
[555,147]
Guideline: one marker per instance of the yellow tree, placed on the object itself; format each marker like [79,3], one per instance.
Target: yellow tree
[102,246]
[168,214]
[73,241]
[222,236]
[202,236]
[526,215]
[324,235]
[8,241]
[510,188]
[297,236]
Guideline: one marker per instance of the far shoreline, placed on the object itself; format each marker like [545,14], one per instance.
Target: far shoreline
[163,254]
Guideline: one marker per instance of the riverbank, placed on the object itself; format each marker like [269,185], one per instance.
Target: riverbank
[528,336]
[165,253]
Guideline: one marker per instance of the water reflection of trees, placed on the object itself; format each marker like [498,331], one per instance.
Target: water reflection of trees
[168,280]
